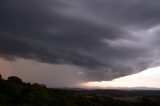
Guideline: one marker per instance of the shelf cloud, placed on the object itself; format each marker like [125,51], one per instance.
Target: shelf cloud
[107,38]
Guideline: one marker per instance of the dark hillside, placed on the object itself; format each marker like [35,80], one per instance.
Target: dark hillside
[14,92]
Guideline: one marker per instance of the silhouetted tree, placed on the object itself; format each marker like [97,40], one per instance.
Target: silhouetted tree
[15,79]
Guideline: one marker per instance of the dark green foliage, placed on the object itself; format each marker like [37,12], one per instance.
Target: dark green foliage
[14,92]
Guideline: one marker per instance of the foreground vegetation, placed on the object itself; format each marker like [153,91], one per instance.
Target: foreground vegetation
[14,92]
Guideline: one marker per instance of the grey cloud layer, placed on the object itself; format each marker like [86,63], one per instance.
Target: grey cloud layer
[109,38]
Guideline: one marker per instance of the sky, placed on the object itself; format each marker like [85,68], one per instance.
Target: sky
[66,42]
[147,79]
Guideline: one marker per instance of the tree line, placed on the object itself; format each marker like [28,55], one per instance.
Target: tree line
[15,92]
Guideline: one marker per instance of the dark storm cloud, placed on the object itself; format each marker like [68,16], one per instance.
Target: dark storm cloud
[109,38]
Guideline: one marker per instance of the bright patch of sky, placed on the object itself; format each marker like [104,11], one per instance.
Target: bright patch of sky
[146,78]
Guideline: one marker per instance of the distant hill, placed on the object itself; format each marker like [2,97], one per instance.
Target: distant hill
[15,92]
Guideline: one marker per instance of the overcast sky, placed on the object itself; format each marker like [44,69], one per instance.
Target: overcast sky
[98,39]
